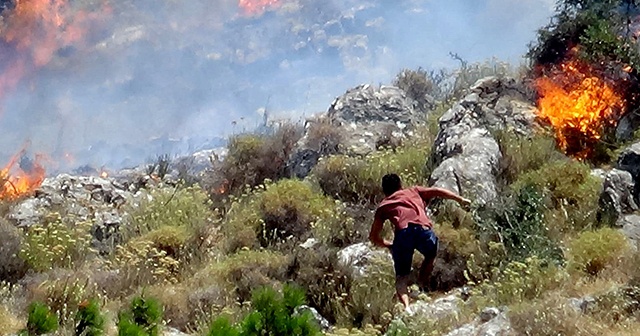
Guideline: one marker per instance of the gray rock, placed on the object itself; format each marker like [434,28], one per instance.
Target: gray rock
[617,197]
[359,257]
[322,322]
[491,322]
[367,117]
[630,226]
[168,331]
[582,305]
[465,154]
[629,160]
[438,309]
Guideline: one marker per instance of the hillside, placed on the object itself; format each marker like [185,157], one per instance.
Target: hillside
[269,236]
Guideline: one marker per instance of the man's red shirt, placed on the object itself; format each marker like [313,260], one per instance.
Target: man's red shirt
[403,207]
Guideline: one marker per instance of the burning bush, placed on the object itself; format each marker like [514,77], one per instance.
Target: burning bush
[585,74]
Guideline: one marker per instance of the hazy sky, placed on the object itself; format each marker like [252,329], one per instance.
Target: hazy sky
[164,68]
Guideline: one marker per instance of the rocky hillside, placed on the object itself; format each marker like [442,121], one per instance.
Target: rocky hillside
[550,245]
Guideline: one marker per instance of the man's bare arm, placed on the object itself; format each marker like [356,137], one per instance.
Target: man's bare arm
[431,193]
[375,236]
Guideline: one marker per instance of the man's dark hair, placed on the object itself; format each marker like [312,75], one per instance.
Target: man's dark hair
[391,183]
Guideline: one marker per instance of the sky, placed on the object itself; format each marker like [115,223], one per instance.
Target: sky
[150,70]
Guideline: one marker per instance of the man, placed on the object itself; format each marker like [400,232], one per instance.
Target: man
[405,209]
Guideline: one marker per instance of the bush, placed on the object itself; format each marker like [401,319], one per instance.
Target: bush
[41,320]
[369,297]
[222,327]
[9,322]
[324,137]
[89,319]
[280,215]
[421,86]
[56,244]
[168,207]
[572,192]
[12,267]
[515,282]
[357,180]
[517,224]
[552,317]
[244,271]
[593,251]
[253,158]
[275,315]
[142,318]
[523,154]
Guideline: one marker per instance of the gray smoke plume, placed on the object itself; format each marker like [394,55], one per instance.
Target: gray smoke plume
[160,76]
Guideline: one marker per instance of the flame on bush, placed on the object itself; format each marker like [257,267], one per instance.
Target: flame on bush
[579,104]
[16,182]
[256,7]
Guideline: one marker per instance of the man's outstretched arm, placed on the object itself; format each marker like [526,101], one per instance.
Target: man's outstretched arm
[430,193]
[375,236]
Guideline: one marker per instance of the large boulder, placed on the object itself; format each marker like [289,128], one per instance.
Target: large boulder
[366,117]
[466,155]
[629,160]
[359,257]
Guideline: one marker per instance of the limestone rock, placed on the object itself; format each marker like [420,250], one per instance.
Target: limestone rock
[465,154]
[491,322]
[359,257]
[617,197]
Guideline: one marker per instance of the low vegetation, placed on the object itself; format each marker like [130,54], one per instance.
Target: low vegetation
[240,253]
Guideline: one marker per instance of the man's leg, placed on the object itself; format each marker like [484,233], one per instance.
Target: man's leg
[428,246]
[402,252]
[402,289]
[425,272]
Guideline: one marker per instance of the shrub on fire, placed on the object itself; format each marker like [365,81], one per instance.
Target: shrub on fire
[585,73]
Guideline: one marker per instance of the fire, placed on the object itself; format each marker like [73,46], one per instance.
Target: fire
[256,7]
[16,181]
[104,174]
[579,105]
[32,33]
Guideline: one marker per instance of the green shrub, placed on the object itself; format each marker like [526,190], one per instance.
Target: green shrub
[222,327]
[56,244]
[244,271]
[357,180]
[421,86]
[274,315]
[143,317]
[168,207]
[523,154]
[282,214]
[593,251]
[89,319]
[517,281]
[41,320]
[517,223]
[572,191]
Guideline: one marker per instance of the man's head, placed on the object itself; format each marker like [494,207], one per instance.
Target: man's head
[391,183]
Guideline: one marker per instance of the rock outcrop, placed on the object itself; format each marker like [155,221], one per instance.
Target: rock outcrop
[367,118]
[465,154]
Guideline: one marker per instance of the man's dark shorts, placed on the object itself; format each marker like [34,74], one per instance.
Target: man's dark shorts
[414,237]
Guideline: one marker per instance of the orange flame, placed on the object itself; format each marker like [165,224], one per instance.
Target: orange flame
[579,104]
[15,182]
[32,33]
[256,7]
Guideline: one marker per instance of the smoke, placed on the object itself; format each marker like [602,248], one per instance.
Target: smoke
[161,76]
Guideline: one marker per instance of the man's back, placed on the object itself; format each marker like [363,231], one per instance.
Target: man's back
[403,207]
